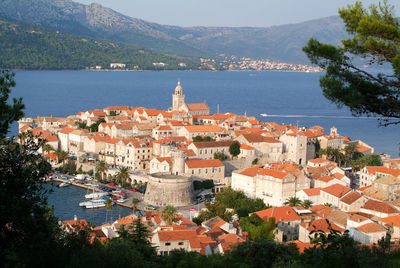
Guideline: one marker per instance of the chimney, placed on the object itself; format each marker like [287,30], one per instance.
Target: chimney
[75,218]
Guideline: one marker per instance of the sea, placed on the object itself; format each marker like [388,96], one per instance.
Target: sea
[286,97]
[65,202]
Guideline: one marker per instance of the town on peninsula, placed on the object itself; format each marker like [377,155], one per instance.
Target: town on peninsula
[307,179]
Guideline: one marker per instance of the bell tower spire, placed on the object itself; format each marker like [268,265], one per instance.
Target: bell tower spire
[178,99]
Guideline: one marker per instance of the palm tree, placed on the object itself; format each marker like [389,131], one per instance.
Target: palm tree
[109,205]
[349,151]
[123,175]
[61,156]
[169,214]
[135,203]
[47,148]
[307,203]
[102,168]
[293,202]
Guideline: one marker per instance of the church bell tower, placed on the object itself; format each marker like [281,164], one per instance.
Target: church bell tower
[178,99]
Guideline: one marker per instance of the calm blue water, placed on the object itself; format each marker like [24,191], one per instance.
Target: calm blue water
[292,97]
[66,203]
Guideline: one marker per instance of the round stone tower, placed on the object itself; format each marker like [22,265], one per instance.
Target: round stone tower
[163,190]
[178,162]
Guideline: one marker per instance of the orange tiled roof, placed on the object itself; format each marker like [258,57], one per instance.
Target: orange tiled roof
[325,178]
[197,106]
[286,213]
[204,128]
[321,210]
[371,227]
[66,130]
[273,173]
[246,147]
[337,190]
[374,169]
[351,198]
[227,241]
[255,138]
[312,191]
[318,161]
[114,108]
[379,207]
[361,148]
[162,159]
[204,163]
[391,220]
[208,144]
[250,172]
[321,225]
[180,235]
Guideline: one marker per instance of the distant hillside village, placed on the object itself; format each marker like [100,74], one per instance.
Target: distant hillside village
[307,177]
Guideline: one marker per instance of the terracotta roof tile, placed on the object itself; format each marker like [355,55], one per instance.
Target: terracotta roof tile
[371,227]
[203,128]
[350,198]
[321,225]
[204,163]
[211,144]
[337,190]
[197,106]
[379,207]
[391,220]
[286,213]
[312,191]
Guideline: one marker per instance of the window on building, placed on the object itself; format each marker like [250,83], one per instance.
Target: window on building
[180,243]
[168,244]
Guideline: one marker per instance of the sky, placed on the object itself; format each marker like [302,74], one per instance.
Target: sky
[234,13]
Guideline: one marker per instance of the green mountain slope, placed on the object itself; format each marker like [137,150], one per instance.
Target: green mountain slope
[32,47]
[281,43]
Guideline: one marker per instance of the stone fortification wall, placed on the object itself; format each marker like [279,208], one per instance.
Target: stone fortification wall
[163,190]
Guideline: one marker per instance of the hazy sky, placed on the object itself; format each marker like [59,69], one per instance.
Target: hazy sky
[228,12]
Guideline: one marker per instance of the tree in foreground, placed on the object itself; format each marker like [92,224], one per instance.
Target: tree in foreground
[28,228]
[375,42]
[169,214]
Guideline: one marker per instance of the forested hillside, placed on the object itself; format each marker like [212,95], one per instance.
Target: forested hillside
[32,47]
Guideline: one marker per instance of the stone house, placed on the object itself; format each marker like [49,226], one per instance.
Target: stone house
[206,150]
[312,194]
[323,225]
[202,130]
[76,140]
[212,169]
[352,202]
[332,194]
[286,218]
[370,173]
[270,148]
[162,132]
[379,209]
[393,224]
[368,233]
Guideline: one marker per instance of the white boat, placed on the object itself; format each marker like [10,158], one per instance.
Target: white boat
[64,184]
[96,203]
[121,200]
[95,195]
[264,115]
